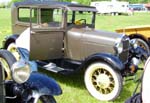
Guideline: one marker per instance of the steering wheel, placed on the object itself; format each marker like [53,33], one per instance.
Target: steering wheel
[80,21]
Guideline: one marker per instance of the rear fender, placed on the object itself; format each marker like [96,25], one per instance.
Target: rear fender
[9,40]
[112,60]
[44,84]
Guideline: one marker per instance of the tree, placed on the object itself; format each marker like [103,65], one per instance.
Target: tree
[2,5]
[16,0]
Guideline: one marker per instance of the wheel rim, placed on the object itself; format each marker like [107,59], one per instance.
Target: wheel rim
[39,101]
[141,43]
[6,69]
[12,48]
[103,81]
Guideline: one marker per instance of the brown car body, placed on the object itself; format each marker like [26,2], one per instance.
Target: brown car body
[75,42]
[64,35]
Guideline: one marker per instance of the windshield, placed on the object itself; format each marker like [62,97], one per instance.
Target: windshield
[81,18]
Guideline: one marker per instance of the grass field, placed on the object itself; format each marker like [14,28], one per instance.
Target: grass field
[73,87]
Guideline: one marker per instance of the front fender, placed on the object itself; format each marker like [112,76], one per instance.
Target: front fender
[112,60]
[44,84]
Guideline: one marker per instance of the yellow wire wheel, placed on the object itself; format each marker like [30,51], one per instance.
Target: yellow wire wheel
[7,60]
[102,81]
[6,69]
[13,49]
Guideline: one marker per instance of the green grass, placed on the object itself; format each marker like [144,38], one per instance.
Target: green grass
[5,23]
[73,87]
[111,23]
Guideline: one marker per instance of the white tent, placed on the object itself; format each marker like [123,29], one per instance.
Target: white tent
[4,1]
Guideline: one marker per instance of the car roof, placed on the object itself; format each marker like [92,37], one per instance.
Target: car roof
[52,3]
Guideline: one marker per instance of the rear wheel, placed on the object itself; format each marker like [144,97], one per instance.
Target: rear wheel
[7,60]
[142,43]
[102,81]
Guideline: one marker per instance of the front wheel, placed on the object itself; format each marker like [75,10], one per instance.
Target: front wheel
[102,81]
[42,99]
[7,60]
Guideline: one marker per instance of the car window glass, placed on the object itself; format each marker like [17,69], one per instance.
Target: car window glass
[69,17]
[84,17]
[80,16]
[51,18]
[24,15]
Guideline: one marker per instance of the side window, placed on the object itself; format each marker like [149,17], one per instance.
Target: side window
[70,17]
[51,17]
[24,15]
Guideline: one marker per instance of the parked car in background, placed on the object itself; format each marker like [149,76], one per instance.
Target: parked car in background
[61,37]
[138,34]
[112,7]
[147,6]
[138,7]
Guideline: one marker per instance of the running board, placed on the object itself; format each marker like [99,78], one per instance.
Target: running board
[54,68]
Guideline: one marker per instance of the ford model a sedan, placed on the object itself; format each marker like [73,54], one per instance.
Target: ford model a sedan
[61,38]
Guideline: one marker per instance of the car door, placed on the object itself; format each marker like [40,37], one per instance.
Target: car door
[46,39]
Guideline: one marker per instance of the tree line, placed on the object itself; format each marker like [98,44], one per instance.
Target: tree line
[85,2]
[130,1]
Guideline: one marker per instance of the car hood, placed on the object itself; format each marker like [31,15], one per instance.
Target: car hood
[97,36]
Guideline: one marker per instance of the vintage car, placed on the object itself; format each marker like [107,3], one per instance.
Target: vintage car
[61,37]
[24,84]
[139,34]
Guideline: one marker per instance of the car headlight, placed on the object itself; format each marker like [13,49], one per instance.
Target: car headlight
[134,43]
[21,71]
[119,47]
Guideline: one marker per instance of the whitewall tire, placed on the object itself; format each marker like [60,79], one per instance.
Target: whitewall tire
[102,81]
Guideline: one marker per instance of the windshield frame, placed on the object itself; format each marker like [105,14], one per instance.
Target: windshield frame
[73,18]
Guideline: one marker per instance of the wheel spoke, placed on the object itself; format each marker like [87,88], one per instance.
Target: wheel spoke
[103,81]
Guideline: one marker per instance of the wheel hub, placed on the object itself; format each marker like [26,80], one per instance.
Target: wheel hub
[103,81]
